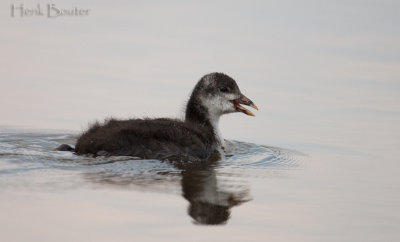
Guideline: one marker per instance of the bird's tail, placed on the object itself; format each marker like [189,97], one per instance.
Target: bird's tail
[65,147]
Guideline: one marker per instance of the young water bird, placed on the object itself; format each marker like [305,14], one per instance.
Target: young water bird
[194,139]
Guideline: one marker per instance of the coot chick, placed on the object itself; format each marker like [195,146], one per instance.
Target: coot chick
[195,139]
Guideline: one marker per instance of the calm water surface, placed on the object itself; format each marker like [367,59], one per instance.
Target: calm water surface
[47,186]
[254,193]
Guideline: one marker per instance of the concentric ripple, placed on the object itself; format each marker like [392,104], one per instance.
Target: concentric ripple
[28,160]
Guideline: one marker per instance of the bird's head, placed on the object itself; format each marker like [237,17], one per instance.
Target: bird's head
[220,94]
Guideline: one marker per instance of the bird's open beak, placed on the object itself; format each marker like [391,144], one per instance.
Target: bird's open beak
[244,100]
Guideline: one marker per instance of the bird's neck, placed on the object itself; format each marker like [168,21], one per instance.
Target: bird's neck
[198,114]
[217,133]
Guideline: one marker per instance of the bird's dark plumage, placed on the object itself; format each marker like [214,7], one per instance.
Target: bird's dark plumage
[148,139]
[195,138]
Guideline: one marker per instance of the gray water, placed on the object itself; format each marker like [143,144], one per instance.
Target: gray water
[209,193]
[253,193]
[29,160]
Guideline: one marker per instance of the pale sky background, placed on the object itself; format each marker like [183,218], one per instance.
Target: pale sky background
[322,72]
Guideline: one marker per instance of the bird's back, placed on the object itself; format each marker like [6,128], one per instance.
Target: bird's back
[148,139]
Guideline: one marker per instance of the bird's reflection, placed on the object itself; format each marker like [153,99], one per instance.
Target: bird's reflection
[210,195]
[209,202]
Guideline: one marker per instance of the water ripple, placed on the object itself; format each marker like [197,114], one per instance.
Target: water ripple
[33,154]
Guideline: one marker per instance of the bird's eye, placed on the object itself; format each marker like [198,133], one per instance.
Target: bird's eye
[224,89]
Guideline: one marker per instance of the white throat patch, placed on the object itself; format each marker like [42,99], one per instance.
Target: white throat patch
[216,107]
